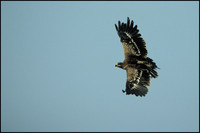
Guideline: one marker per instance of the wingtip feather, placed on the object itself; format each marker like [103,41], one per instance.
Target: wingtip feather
[116,27]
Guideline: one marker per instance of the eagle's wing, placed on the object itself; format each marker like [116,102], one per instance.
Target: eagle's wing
[137,81]
[131,40]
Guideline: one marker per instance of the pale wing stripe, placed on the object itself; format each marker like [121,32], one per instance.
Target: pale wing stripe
[138,51]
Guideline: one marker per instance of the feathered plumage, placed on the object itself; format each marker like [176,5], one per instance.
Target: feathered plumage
[138,66]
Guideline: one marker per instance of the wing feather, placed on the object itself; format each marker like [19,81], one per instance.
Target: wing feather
[128,22]
[116,28]
[136,83]
[131,40]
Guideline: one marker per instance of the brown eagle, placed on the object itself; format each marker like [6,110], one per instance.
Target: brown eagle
[139,68]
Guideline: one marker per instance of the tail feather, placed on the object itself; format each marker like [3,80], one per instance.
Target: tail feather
[151,66]
[153,73]
[145,79]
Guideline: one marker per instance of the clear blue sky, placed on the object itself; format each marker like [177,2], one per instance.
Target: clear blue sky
[58,74]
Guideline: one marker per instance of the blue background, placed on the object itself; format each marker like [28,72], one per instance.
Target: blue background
[58,74]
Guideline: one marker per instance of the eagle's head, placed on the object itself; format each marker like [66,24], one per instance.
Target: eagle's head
[120,65]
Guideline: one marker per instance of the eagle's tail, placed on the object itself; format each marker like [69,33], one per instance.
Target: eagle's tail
[135,89]
[152,68]
[153,73]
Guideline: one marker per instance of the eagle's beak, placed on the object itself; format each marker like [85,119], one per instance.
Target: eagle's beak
[117,65]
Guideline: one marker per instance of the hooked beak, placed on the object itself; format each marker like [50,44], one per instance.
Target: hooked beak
[117,65]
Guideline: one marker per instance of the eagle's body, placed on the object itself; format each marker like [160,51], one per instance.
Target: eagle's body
[138,66]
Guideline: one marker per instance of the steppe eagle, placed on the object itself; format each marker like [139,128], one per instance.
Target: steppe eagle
[139,68]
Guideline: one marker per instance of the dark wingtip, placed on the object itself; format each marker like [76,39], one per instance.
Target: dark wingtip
[119,26]
[116,27]
[118,23]
[128,22]
[132,23]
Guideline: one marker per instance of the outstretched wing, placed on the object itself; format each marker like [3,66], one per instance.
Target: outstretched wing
[137,81]
[131,40]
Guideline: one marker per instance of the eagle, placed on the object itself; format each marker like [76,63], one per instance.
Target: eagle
[139,68]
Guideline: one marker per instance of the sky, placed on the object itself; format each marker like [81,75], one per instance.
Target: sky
[58,67]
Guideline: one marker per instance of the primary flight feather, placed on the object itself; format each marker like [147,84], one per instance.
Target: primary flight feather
[139,68]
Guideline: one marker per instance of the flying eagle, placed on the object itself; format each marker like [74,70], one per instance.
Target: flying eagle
[139,68]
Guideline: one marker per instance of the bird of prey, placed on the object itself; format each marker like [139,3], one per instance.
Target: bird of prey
[139,68]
